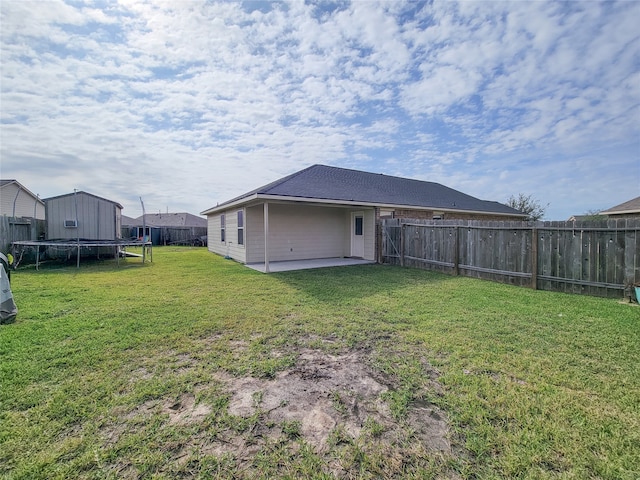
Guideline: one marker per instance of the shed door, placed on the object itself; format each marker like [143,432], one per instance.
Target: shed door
[357,234]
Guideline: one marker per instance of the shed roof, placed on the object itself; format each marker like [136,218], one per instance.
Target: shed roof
[630,206]
[321,182]
[83,193]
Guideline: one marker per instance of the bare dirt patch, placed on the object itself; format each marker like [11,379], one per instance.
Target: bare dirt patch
[335,404]
[325,393]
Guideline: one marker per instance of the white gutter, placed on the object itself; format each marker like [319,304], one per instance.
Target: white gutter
[619,212]
[288,199]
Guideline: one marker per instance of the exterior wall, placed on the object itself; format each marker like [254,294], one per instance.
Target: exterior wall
[25,203]
[304,232]
[296,232]
[98,219]
[230,246]
[254,234]
[370,234]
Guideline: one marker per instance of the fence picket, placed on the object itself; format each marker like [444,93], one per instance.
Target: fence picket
[594,258]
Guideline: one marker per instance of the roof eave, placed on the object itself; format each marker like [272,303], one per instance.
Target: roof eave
[355,203]
[227,205]
[619,212]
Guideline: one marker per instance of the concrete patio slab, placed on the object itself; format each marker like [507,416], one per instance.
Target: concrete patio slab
[307,264]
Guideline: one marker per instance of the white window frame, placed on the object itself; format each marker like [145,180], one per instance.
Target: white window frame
[240,217]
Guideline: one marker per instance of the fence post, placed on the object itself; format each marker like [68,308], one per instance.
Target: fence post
[402,228]
[456,251]
[534,258]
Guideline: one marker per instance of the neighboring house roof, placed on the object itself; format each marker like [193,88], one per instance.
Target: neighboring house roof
[83,193]
[171,220]
[128,221]
[5,183]
[630,206]
[340,185]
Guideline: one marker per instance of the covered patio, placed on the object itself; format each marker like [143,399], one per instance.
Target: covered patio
[290,265]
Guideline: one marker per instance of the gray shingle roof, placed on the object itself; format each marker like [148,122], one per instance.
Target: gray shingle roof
[181,219]
[80,192]
[339,184]
[630,206]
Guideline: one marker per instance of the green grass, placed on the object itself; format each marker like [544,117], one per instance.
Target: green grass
[535,384]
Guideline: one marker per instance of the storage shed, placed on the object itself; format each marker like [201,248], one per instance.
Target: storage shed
[84,216]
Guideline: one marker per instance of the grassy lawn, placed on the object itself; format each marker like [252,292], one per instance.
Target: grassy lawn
[134,372]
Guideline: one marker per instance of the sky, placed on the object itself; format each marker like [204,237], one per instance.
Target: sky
[186,104]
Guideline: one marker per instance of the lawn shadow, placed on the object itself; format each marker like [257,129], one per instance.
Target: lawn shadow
[346,284]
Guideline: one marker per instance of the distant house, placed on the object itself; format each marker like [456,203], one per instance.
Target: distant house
[17,201]
[168,228]
[628,209]
[329,212]
[82,215]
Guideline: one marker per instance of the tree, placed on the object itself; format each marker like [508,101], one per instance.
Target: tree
[529,205]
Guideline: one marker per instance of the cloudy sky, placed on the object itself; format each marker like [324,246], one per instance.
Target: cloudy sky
[189,103]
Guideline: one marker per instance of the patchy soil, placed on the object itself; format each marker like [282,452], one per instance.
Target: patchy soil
[324,400]
[324,392]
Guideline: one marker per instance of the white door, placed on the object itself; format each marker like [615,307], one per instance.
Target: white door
[357,234]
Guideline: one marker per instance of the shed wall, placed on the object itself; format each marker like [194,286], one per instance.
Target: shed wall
[98,219]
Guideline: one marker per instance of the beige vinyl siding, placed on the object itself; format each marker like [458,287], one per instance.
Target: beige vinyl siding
[369,234]
[230,245]
[301,232]
[254,233]
[296,232]
[213,234]
[24,202]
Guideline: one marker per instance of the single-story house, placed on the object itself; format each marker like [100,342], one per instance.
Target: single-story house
[167,228]
[84,216]
[329,212]
[17,201]
[628,209]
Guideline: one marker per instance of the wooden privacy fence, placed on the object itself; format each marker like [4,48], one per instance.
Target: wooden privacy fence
[15,229]
[593,258]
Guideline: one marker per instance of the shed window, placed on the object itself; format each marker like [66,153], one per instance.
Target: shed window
[240,227]
[222,228]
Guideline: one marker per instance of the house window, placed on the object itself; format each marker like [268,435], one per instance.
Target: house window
[222,239]
[240,227]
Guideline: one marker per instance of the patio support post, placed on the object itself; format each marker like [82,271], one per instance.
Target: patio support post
[266,237]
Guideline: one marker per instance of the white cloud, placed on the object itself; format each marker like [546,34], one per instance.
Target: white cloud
[199,101]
